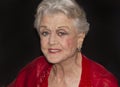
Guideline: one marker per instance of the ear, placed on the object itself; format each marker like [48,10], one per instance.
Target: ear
[81,37]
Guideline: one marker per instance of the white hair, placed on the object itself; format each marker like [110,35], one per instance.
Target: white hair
[69,7]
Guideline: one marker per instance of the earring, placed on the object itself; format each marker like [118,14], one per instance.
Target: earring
[79,49]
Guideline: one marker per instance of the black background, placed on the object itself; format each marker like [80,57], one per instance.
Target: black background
[19,42]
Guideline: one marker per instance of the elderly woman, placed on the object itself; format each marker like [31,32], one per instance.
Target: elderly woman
[62,27]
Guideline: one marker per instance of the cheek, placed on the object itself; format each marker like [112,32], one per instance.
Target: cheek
[43,43]
[70,43]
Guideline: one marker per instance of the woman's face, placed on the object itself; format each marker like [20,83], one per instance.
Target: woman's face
[59,38]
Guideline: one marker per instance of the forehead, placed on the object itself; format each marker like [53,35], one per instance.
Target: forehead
[56,19]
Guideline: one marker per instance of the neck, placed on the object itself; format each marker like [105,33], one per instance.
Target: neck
[68,69]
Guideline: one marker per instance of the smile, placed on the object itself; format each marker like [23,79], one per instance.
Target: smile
[54,50]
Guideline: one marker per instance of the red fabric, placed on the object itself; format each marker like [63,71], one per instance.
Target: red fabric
[37,72]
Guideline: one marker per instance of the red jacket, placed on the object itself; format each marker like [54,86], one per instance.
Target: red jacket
[37,72]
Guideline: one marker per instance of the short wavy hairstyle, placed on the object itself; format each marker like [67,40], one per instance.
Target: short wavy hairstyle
[68,7]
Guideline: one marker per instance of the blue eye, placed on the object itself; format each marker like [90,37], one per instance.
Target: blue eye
[62,33]
[45,33]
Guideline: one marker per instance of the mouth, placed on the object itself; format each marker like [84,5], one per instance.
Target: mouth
[54,50]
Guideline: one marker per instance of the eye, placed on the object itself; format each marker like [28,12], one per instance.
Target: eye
[61,33]
[44,33]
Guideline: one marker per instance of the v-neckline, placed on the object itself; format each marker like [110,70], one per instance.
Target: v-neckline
[85,75]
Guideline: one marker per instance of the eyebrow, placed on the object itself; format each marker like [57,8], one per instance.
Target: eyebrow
[64,26]
[43,26]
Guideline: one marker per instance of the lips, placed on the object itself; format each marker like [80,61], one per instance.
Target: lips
[54,50]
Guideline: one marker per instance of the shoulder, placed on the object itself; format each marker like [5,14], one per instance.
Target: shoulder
[28,74]
[39,61]
[100,76]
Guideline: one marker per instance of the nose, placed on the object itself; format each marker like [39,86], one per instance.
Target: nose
[53,39]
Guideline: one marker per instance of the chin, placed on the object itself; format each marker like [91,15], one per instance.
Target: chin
[54,60]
